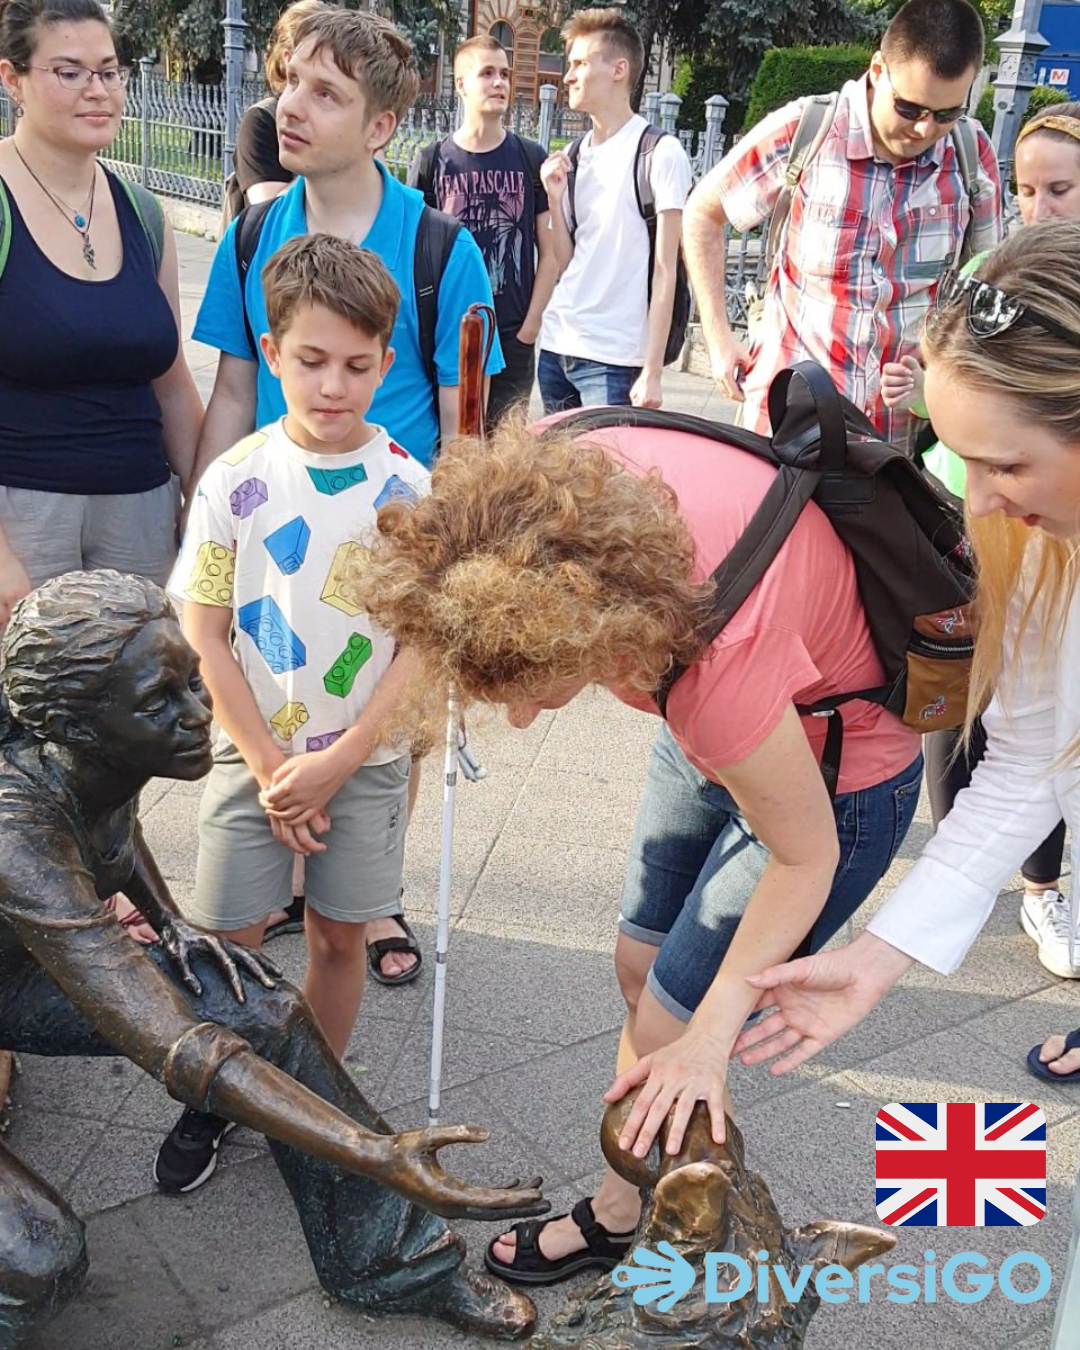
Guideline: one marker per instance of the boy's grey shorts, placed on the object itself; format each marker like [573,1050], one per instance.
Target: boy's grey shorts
[244,874]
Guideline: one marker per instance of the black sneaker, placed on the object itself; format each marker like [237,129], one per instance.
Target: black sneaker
[189,1154]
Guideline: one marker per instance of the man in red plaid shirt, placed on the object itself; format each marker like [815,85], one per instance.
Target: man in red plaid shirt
[878,215]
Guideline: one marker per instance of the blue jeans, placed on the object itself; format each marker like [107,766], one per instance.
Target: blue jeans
[694,864]
[573,382]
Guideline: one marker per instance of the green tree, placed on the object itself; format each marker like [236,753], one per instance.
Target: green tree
[190,31]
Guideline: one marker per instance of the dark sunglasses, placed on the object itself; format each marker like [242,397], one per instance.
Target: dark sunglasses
[991,311]
[911,112]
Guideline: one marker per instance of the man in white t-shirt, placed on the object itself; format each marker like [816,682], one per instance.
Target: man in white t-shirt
[604,333]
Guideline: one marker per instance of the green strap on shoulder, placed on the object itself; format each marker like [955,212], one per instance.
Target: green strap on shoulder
[5,228]
[146,207]
[151,217]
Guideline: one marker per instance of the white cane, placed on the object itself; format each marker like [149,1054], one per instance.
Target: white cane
[476,337]
[442,923]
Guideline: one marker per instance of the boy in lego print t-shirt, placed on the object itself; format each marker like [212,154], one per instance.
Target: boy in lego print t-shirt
[301,679]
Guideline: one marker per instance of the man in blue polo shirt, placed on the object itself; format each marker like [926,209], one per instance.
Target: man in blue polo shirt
[351,77]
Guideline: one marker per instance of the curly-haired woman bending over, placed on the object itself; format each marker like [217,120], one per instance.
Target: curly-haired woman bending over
[540,566]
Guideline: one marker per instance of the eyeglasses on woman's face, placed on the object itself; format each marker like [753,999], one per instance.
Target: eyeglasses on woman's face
[79,77]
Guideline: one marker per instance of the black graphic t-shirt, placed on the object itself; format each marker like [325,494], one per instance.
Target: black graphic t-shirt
[497,196]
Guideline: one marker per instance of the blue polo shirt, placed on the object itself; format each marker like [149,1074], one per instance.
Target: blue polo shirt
[405,403]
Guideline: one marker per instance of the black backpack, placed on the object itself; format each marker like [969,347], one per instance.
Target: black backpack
[680,310]
[913,565]
[435,237]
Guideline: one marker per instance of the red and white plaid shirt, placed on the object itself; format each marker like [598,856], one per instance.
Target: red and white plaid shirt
[865,244]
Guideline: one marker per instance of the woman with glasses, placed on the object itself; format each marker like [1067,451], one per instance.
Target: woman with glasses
[99,415]
[1047,170]
[1002,356]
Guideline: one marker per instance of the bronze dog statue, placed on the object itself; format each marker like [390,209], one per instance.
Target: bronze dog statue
[703,1200]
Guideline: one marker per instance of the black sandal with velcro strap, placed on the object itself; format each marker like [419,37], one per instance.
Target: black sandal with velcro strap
[530,1266]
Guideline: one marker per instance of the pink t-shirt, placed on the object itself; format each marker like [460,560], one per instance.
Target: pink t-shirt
[801,635]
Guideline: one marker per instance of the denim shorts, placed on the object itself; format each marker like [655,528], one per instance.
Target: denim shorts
[576,382]
[694,864]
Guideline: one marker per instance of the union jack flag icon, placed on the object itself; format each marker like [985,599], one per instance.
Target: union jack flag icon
[961,1164]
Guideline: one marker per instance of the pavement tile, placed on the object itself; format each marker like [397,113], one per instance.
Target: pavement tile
[467,1055]
[130,1300]
[548,1100]
[562,807]
[512,984]
[567,893]
[52,1145]
[90,1087]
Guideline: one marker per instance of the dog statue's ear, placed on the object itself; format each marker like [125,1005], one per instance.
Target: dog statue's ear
[828,1242]
[692,1202]
[641,1172]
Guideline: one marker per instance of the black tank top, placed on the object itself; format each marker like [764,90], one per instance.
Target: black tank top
[77,411]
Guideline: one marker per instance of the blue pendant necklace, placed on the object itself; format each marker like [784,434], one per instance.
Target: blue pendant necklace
[76,219]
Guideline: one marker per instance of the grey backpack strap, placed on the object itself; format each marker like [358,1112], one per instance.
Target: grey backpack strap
[965,141]
[814,125]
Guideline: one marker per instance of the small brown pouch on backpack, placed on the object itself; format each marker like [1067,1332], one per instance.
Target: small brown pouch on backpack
[938,669]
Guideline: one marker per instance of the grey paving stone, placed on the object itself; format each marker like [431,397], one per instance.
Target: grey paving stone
[130,1301]
[467,1055]
[50,1144]
[549,1100]
[92,1088]
[239,1231]
[563,807]
[943,1068]
[567,893]
[512,984]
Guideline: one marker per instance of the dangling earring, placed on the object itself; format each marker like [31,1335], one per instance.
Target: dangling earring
[18,111]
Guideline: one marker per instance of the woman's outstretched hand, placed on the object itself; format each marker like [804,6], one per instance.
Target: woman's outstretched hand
[816,999]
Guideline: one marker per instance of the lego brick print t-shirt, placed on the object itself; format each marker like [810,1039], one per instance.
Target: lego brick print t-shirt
[272,532]
[497,196]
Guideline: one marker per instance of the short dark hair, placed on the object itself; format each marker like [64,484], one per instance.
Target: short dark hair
[621,38]
[482,42]
[946,34]
[22,20]
[321,269]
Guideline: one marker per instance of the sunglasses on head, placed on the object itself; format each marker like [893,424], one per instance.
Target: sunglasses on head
[991,311]
[912,112]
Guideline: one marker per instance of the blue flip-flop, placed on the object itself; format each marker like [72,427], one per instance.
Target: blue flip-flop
[1040,1070]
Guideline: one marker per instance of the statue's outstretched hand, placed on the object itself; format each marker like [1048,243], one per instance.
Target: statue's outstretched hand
[182,941]
[412,1168]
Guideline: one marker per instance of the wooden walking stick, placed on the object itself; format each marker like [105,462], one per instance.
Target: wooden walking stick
[477,334]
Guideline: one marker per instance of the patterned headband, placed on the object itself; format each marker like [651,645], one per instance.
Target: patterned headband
[1055,122]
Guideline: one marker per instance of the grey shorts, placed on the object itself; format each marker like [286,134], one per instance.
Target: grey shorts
[55,532]
[244,874]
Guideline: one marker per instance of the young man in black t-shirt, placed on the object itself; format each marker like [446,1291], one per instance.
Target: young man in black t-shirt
[489,178]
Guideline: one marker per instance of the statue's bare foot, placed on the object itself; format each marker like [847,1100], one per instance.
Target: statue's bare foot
[476,1303]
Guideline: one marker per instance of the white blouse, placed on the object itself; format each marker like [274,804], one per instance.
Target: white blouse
[1019,792]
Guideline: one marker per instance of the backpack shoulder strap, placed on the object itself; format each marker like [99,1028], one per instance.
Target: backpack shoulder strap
[574,152]
[435,236]
[643,190]
[5,228]
[814,125]
[246,234]
[151,217]
[429,157]
[965,141]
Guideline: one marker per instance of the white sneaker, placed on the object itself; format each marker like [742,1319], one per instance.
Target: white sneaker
[1047,921]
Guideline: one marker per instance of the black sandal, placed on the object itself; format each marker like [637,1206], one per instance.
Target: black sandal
[293,922]
[377,950]
[530,1266]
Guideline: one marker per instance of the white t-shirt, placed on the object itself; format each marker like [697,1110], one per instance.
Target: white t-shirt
[600,308]
[272,532]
